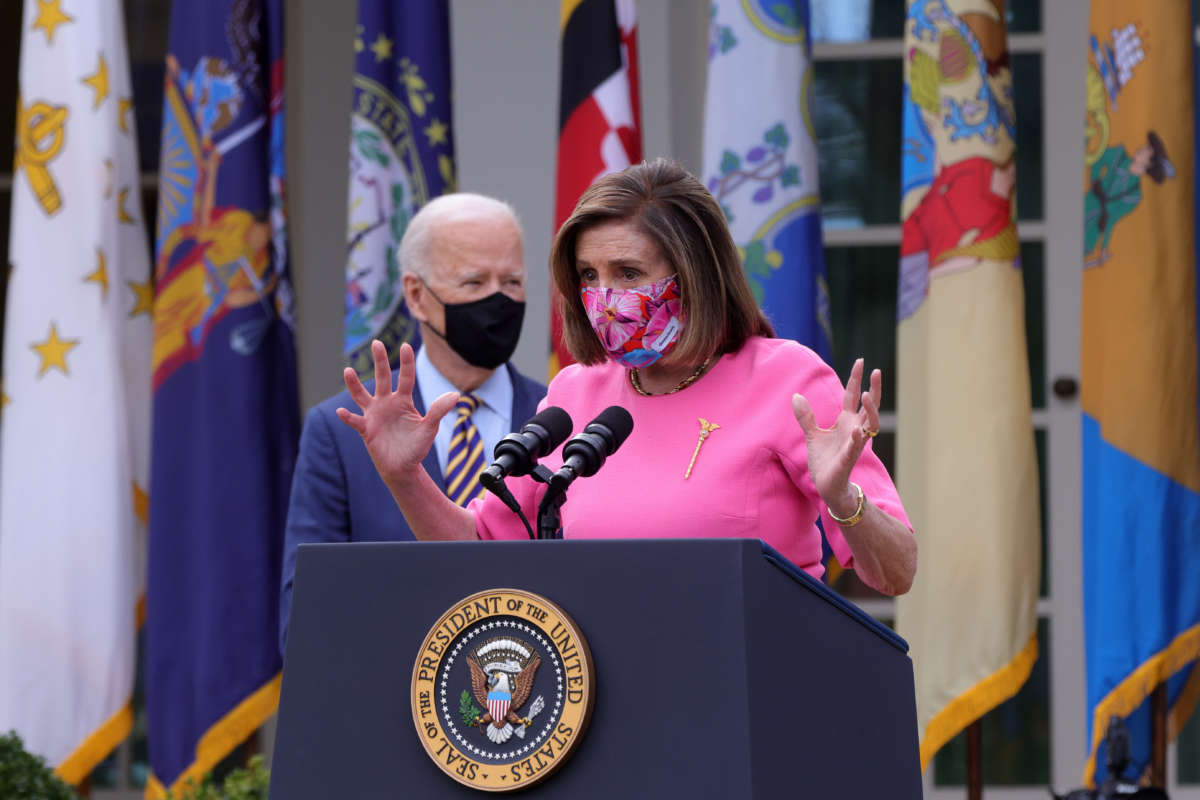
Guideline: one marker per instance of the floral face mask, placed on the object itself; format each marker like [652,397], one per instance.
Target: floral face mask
[636,326]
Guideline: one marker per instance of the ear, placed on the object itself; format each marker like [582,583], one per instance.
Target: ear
[414,295]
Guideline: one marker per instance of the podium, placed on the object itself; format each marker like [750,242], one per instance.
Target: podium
[721,671]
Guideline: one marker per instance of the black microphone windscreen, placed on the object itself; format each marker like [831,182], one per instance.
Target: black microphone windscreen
[617,420]
[556,422]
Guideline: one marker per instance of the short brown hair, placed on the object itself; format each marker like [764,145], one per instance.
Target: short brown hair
[674,209]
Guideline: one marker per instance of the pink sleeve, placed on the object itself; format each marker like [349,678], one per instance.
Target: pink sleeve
[820,385]
[494,520]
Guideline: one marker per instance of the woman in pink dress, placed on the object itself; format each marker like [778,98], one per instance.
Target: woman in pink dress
[735,434]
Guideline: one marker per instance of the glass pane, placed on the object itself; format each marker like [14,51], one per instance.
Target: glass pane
[856,20]
[862,291]
[5,221]
[10,38]
[859,20]
[1024,16]
[146,30]
[1039,442]
[1027,99]
[139,749]
[1016,734]
[1033,268]
[1187,747]
[856,116]
[107,773]
[150,220]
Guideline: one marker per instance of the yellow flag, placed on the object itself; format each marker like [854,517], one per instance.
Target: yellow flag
[966,464]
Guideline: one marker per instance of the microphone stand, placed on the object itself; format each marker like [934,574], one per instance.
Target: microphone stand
[500,490]
[549,519]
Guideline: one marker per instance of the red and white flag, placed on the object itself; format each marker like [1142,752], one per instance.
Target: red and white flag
[599,128]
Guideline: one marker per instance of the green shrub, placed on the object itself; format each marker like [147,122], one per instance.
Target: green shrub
[250,783]
[24,776]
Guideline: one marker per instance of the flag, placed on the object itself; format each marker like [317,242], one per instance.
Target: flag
[760,163]
[599,114]
[760,159]
[401,156]
[965,458]
[75,424]
[226,417]
[1141,448]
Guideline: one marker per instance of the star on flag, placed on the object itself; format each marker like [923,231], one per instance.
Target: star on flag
[49,16]
[436,132]
[99,275]
[382,48]
[143,294]
[124,106]
[53,351]
[98,81]
[123,215]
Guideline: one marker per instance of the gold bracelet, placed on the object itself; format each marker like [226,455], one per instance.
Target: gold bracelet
[856,517]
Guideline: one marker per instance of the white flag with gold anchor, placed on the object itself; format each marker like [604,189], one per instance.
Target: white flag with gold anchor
[74,430]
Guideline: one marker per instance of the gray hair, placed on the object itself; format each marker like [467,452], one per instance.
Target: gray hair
[416,245]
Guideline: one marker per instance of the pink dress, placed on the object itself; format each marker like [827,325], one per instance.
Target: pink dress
[750,479]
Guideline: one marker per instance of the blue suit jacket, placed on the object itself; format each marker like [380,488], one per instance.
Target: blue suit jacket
[337,496]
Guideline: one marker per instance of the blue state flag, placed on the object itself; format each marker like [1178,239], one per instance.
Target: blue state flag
[760,159]
[401,156]
[226,417]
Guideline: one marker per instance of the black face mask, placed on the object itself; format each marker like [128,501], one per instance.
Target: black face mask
[484,332]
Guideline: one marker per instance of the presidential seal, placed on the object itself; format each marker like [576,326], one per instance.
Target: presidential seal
[502,690]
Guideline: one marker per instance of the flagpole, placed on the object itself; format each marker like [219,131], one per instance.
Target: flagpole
[975,760]
[1158,735]
[251,747]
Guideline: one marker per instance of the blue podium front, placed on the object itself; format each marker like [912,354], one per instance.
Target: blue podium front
[717,670]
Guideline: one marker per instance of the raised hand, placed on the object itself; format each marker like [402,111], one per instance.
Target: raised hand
[833,452]
[396,435]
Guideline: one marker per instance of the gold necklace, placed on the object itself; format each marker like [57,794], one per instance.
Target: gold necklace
[636,382]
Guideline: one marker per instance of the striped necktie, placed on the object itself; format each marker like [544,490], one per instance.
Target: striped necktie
[465,459]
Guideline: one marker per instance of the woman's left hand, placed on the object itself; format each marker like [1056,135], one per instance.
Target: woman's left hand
[833,452]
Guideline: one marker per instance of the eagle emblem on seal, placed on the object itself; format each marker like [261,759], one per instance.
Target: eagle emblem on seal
[502,673]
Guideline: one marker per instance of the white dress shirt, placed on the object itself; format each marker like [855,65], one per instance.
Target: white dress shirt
[493,417]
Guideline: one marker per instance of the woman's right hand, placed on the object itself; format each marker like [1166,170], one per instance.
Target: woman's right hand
[396,435]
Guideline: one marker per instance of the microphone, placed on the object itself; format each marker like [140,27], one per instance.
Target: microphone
[586,452]
[517,453]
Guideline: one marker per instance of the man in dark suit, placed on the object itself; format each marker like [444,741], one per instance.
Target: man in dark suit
[464,283]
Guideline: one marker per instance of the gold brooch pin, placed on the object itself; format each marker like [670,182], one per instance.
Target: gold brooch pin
[706,428]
